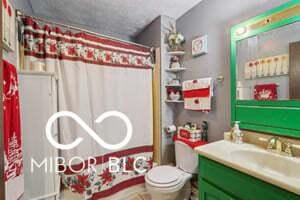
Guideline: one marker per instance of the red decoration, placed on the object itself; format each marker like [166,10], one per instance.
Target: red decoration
[89,49]
[90,54]
[12,127]
[106,176]
[40,46]
[124,59]
[192,144]
[265,92]
[53,47]
[82,184]
[197,93]
[185,134]
[108,57]
[139,61]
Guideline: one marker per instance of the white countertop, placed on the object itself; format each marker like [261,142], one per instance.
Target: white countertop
[278,170]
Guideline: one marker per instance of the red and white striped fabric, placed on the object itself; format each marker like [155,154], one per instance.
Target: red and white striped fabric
[45,42]
[197,94]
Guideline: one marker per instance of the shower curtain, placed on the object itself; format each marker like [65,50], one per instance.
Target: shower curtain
[96,75]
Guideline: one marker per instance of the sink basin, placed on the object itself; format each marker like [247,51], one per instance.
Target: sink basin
[269,163]
[281,171]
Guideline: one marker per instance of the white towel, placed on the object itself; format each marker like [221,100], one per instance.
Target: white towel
[198,94]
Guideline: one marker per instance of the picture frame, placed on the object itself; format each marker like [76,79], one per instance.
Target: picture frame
[200,46]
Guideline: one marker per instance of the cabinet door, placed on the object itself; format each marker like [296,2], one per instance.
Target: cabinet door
[38,102]
[209,192]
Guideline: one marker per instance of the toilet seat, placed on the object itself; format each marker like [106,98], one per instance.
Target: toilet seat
[165,177]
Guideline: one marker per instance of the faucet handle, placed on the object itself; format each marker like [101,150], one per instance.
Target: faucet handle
[288,149]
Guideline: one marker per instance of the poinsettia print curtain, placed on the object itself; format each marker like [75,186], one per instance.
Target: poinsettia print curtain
[96,75]
[13,169]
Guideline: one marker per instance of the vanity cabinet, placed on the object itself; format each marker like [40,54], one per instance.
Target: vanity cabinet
[210,192]
[265,70]
[219,182]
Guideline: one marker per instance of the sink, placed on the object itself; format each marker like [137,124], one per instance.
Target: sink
[269,163]
[273,168]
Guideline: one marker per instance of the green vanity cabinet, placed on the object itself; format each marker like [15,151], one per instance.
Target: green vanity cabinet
[219,182]
[265,51]
[210,192]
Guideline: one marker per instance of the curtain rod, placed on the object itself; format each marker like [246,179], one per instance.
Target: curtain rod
[21,13]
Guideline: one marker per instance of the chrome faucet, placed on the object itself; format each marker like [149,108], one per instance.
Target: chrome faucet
[275,143]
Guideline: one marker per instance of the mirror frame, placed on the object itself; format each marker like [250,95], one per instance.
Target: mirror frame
[276,117]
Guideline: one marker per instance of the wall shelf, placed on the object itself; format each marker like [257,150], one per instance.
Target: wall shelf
[175,70]
[266,77]
[174,101]
[173,86]
[176,53]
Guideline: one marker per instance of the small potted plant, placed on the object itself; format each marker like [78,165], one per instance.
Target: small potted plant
[175,40]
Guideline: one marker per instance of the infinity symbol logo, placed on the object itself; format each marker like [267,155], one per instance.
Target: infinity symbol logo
[90,131]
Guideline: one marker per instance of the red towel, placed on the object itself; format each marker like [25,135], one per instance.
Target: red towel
[265,92]
[197,94]
[192,144]
[11,119]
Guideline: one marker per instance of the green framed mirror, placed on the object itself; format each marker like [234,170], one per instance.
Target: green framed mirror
[265,71]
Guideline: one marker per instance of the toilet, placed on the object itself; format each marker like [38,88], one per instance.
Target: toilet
[173,183]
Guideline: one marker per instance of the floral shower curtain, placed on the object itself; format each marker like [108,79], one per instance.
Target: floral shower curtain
[96,75]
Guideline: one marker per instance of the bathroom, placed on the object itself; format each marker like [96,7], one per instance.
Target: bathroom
[150,100]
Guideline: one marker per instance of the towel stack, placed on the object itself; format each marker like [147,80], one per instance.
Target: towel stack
[197,94]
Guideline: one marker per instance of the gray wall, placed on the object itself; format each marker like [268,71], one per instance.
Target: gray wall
[151,35]
[214,18]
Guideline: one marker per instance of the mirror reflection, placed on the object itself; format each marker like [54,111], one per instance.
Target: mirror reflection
[268,65]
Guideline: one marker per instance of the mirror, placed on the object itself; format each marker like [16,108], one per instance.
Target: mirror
[268,65]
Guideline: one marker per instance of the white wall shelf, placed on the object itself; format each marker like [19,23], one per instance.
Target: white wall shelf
[176,53]
[173,86]
[174,101]
[176,70]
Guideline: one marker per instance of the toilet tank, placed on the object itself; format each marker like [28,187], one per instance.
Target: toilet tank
[186,158]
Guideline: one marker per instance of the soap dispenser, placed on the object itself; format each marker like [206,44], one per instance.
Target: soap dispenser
[237,133]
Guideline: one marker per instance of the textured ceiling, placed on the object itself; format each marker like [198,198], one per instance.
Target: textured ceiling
[123,18]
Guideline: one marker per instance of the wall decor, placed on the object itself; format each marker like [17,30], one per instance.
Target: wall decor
[199,46]
[8,26]
[175,39]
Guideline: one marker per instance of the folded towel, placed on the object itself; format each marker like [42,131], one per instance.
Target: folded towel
[197,94]
[266,92]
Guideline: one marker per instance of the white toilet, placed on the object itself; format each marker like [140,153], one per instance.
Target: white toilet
[173,183]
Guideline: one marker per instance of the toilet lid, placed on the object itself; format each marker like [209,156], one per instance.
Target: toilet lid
[165,175]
